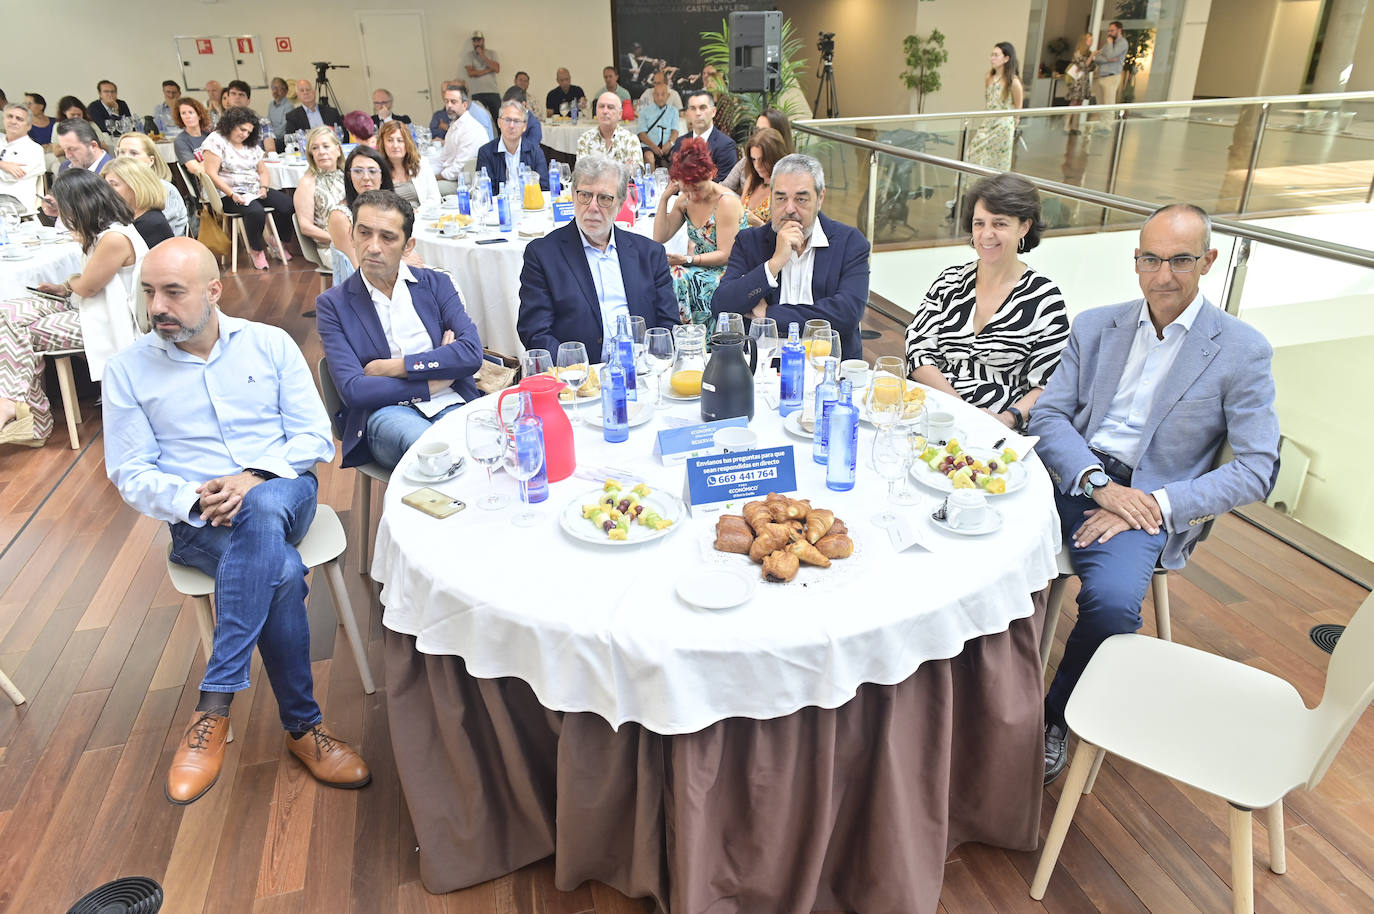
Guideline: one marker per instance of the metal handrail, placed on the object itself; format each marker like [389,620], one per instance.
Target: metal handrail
[1247,231]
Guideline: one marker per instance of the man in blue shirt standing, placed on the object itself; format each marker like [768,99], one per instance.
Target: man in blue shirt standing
[213,425]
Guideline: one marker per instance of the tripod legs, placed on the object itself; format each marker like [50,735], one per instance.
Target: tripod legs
[827,88]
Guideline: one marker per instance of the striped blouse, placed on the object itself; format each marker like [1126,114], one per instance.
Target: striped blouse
[1017,349]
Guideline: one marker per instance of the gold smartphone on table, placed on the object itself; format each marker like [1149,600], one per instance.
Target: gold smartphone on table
[434,503]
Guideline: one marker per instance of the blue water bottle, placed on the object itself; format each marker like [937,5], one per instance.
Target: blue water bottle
[464,200]
[792,372]
[625,354]
[615,415]
[555,183]
[535,489]
[827,392]
[503,209]
[843,438]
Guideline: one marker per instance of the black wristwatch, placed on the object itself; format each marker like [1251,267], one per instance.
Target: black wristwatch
[1018,417]
[1096,480]
[261,474]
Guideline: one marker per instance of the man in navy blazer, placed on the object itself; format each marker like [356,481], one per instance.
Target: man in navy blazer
[510,144]
[578,278]
[803,266]
[701,115]
[1131,426]
[401,349]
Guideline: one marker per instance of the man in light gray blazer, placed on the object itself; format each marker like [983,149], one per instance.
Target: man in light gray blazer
[1131,425]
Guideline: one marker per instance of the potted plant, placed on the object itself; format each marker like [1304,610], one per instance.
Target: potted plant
[924,57]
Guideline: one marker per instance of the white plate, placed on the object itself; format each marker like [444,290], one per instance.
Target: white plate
[415,474]
[578,527]
[12,253]
[791,423]
[668,391]
[1016,475]
[639,412]
[903,423]
[716,588]
[991,524]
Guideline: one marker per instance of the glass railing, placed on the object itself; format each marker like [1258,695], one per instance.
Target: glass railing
[1288,276]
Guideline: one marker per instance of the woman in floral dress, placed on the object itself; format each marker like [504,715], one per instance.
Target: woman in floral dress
[991,145]
[1079,79]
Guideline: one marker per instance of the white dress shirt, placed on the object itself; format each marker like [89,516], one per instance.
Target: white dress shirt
[405,332]
[795,277]
[610,284]
[23,151]
[465,136]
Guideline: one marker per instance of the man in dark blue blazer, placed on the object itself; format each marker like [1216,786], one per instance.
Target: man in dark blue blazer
[701,114]
[401,349]
[801,267]
[108,106]
[579,278]
[511,144]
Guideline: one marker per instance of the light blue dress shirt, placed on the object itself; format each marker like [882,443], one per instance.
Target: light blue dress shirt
[174,421]
[610,285]
[481,115]
[667,117]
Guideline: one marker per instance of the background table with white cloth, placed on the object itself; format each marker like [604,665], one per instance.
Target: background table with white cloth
[563,135]
[50,261]
[822,746]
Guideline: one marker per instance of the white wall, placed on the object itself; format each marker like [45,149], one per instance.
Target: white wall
[76,43]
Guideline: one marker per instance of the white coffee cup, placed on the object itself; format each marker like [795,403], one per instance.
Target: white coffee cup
[855,371]
[967,509]
[435,457]
[734,439]
[941,425]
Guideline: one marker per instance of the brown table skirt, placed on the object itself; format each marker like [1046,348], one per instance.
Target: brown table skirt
[854,808]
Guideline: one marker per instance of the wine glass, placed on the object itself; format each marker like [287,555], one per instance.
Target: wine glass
[486,442]
[811,328]
[730,322]
[535,362]
[914,430]
[824,344]
[573,369]
[660,352]
[892,460]
[764,332]
[886,400]
[523,458]
[638,327]
[480,202]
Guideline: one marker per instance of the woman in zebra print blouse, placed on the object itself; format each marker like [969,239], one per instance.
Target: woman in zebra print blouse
[990,332]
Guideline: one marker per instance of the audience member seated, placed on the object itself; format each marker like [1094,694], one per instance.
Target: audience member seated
[238,94]
[72,108]
[40,125]
[565,93]
[142,192]
[647,95]
[701,112]
[93,309]
[482,66]
[214,100]
[401,348]
[195,127]
[502,155]
[658,126]
[608,138]
[382,100]
[803,265]
[360,128]
[776,120]
[613,271]
[1130,428]
[465,136]
[310,113]
[237,504]
[141,149]
[108,106]
[761,155]
[439,121]
[411,176]
[321,188]
[80,146]
[990,332]
[534,130]
[279,106]
[713,216]
[364,170]
[165,111]
[521,81]
[22,162]
[233,161]
[611,76]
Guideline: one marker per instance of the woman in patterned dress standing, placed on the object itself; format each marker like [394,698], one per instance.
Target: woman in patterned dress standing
[991,331]
[992,142]
[1079,77]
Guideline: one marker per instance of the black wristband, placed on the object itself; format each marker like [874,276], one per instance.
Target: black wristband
[1018,418]
[261,474]
[196,509]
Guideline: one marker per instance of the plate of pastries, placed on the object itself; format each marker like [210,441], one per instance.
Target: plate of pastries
[781,534]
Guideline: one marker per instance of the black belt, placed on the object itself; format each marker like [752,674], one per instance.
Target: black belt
[1117,469]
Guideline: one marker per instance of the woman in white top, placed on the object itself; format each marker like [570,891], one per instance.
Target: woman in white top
[21,159]
[138,147]
[233,160]
[322,185]
[413,180]
[93,309]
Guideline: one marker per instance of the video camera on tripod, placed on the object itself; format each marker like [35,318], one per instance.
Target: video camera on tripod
[826,45]
[322,67]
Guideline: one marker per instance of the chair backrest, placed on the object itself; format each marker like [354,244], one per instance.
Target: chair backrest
[308,246]
[210,194]
[333,403]
[1349,686]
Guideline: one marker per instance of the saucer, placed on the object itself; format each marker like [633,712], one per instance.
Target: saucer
[991,524]
[716,588]
[415,474]
[791,423]
[638,412]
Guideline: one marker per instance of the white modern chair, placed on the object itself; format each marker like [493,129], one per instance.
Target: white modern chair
[1212,723]
[233,224]
[367,472]
[10,689]
[309,248]
[322,546]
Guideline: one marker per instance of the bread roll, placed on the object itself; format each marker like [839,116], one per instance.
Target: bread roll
[780,566]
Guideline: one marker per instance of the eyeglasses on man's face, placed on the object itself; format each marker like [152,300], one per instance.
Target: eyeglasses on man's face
[605,201]
[1181,263]
[512,121]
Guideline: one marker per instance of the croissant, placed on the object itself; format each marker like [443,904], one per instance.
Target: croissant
[780,566]
[770,539]
[798,508]
[839,527]
[835,546]
[777,505]
[818,523]
[797,527]
[733,535]
[808,554]
[756,514]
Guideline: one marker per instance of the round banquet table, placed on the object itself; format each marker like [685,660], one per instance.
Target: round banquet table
[563,135]
[51,261]
[824,745]
[285,172]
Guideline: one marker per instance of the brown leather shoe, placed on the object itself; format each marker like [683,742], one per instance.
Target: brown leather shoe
[329,759]
[198,759]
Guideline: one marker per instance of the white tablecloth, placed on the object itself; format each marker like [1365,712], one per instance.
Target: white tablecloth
[167,149]
[601,628]
[52,262]
[286,172]
[563,135]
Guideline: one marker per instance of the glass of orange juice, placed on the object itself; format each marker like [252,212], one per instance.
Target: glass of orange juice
[824,344]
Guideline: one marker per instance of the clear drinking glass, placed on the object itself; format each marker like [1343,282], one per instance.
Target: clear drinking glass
[659,351]
[823,344]
[913,429]
[523,458]
[638,328]
[729,322]
[764,331]
[486,442]
[535,361]
[891,458]
[572,370]
[886,400]
[480,201]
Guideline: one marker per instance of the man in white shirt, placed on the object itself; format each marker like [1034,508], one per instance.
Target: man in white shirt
[465,136]
[213,424]
[21,159]
[401,349]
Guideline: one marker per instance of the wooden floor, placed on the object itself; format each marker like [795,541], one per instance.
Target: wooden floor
[93,633]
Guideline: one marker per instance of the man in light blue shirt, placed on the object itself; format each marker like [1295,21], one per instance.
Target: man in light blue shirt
[213,424]
[658,126]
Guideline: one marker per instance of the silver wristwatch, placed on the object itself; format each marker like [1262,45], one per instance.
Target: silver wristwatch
[1096,480]
[690,258]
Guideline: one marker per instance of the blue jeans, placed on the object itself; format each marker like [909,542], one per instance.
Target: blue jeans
[1114,576]
[259,594]
[391,431]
